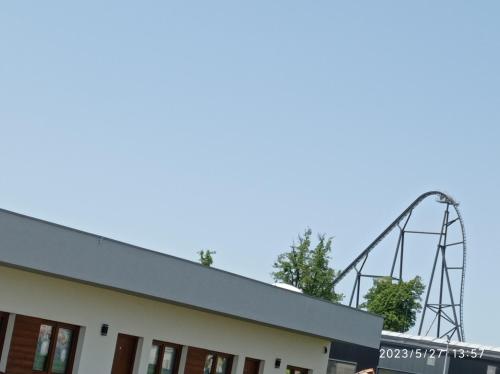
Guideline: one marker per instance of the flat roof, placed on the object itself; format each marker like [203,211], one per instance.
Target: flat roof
[36,245]
[390,337]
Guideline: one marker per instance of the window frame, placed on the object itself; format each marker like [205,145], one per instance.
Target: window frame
[162,345]
[53,343]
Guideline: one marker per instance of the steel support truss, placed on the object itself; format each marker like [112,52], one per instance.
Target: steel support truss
[442,313]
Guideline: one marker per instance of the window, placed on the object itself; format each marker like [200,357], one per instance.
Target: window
[217,363]
[163,358]
[491,369]
[221,365]
[209,360]
[341,367]
[55,348]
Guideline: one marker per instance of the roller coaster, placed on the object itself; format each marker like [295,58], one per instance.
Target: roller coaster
[442,313]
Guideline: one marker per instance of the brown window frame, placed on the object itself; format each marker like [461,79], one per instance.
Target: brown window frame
[162,345]
[4,320]
[53,342]
[216,355]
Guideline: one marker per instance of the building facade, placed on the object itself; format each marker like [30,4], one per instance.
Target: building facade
[74,302]
[408,354]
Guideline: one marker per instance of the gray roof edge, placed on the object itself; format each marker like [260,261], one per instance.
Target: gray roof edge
[156,252]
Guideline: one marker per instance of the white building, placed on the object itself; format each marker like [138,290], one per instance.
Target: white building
[74,302]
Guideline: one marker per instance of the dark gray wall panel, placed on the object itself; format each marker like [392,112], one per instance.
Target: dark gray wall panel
[364,357]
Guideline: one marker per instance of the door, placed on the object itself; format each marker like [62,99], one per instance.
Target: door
[126,346]
[252,366]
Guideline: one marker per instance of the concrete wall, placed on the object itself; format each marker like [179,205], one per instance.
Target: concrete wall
[31,294]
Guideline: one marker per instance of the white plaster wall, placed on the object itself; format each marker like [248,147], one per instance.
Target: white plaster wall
[23,292]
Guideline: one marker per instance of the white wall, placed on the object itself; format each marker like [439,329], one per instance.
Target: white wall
[37,295]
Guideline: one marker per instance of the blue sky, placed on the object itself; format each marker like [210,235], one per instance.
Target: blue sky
[233,126]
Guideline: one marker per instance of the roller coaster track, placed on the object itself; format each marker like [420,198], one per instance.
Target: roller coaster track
[440,309]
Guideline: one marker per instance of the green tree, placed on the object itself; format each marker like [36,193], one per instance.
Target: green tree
[308,269]
[398,302]
[206,258]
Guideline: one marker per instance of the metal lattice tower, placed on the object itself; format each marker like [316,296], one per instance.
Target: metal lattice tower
[442,313]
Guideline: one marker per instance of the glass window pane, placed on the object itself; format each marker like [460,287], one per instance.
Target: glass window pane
[63,350]
[208,364]
[42,348]
[153,359]
[221,365]
[167,365]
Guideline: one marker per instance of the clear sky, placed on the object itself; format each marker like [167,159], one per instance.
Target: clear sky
[233,126]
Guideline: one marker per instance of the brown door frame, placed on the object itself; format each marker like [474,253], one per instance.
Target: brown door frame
[255,360]
[136,341]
